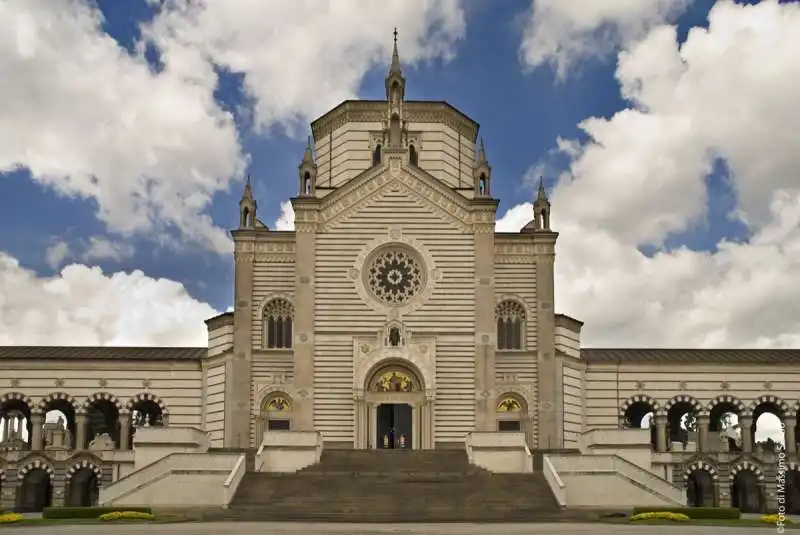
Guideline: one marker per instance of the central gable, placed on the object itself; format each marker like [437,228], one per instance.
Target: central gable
[395,181]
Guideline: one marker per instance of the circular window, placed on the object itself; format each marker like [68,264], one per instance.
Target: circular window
[394,275]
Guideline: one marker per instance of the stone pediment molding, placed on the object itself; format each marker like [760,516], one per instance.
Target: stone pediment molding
[370,357]
[347,200]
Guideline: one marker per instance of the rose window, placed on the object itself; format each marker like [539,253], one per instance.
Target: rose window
[394,276]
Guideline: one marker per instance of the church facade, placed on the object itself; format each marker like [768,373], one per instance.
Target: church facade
[394,316]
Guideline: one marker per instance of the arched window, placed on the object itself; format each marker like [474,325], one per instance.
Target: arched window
[413,157]
[278,316]
[509,415]
[482,186]
[307,183]
[510,317]
[277,411]
[376,155]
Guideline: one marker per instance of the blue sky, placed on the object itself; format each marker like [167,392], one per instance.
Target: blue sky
[523,106]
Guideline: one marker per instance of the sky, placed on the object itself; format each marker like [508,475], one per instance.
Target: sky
[664,130]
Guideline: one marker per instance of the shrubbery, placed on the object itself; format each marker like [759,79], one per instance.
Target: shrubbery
[125,515]
[773,519]
[10,518]
[87,512]
[696,513]
[660,515]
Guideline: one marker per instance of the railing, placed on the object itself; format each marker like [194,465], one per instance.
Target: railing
[232,483]
[616,464]
[554,481]
[158,469]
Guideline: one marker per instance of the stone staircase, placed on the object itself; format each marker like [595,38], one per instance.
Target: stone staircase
[393,486]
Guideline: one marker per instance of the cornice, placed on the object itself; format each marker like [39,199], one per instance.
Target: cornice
[374,111]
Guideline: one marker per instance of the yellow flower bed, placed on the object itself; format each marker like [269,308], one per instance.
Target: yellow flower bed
[10,518]
[773,519]
[660,515]
[125,515]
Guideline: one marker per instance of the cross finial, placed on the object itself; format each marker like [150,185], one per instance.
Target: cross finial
[395,35]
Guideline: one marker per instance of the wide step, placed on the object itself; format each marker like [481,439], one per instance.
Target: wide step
[395,486]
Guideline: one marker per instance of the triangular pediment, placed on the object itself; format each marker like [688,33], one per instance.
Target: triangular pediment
[395,177]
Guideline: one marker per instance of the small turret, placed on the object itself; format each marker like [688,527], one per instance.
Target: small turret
[541,210]
[308,173]
[247,207]
[395,131]
[482,173]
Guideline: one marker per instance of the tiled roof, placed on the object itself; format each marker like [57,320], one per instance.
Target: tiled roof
[691,356]
[102,353]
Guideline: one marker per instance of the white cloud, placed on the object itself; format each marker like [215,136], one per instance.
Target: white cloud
[56,254]
[83,306]
[100,248]
[728,92]
[299,59]
[285,221]
[561,33]
[91,121]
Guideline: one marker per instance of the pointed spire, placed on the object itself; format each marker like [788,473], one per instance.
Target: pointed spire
[482,153]
[307,157]
[248,189]
[542,194]
[395,66]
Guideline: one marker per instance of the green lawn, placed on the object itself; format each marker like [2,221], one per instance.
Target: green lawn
[163,519]
[749,522]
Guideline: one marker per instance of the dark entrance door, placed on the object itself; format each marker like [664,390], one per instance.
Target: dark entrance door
[394,426]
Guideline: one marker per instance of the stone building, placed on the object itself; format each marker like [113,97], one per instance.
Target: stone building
[395,316]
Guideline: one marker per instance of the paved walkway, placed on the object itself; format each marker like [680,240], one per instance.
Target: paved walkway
[240,528]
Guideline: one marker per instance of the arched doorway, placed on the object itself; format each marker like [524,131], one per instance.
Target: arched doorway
[83,489]
[394,412]
[792,491]
[747,492]
[700,488]
[35,491]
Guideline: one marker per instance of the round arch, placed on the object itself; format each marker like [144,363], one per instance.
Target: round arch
[391,373]
[84,464]
[104,396]
[55,397]
[515,298]
[270,297]
[36,464]
[274,411]
[700,467]
[18,396]
[729,400]
[406,361]
[145,397]
[698,407]
[746,467]
[639,398]
[766,399]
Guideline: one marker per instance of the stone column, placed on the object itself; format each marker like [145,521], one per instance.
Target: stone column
[81,426]
[702,433]
[746,426]
[485,323]
[238,369]
[661,432]
[550,409]
[306,210]
[124,431]
[716,496]
[789,436]
[37,422]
